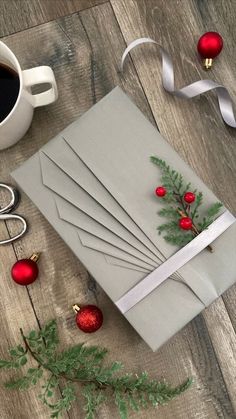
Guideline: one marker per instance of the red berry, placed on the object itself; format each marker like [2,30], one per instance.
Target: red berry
[185,223]
[160,191]
[189,197]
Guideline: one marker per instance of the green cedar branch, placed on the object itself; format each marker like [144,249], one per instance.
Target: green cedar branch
[176,207]
[84,366]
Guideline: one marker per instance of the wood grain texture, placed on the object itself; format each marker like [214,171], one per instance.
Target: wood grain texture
[85,56]
[17,15]
[15,308]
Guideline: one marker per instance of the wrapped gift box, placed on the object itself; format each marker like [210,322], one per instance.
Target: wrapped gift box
[94,183]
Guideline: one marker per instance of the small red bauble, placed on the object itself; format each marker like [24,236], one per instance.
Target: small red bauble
[25,271]
[185,223]
[160,191]
[189,197]
[209,46]
[89,318]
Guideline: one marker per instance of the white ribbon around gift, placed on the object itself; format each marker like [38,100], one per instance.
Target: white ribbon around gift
[175,262]
[194,89]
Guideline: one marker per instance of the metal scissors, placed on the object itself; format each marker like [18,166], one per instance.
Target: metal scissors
[11,206]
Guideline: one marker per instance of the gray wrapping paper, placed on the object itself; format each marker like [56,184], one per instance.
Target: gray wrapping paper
[94,183]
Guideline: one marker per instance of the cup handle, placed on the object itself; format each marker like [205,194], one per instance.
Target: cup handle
[39,75]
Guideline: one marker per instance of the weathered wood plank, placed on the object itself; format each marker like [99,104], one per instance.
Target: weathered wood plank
[223,14]
[15,310]
[85,55]
[193,128]
[223,340]
[17,15]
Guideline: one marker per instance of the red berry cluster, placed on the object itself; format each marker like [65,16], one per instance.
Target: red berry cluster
[185,223]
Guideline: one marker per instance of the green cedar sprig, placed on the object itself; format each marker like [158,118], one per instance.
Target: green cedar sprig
[82,365]
[175,205]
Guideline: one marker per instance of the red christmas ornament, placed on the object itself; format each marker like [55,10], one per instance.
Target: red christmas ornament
[189,197]
[160,191]
[185,223]
[89,318]
[25,271]
[209,46]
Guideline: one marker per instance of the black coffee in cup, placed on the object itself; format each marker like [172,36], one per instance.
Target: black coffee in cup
[9,90]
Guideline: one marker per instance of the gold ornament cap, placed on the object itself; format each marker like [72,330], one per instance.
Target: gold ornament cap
[35,257]
[76,308]
[207,63]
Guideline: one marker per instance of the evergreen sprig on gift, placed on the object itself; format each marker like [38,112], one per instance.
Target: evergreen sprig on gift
[84,366]
[182,207]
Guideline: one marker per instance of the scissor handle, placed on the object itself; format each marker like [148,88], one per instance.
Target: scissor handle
[14,217]
[14,201]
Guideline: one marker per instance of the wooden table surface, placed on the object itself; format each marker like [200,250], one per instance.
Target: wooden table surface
[83,40]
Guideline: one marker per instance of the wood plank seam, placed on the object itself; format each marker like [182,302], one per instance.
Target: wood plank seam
[35,314]
[53,20]
[94,99]
[127,63]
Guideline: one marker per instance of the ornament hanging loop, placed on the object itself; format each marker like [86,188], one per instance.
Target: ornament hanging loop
[76,308]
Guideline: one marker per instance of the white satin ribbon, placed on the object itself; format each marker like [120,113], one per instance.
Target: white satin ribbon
[192,90]
[175,262]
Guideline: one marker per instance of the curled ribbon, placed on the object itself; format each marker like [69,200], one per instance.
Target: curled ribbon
[193,89]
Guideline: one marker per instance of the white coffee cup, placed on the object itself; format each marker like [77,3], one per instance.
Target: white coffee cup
[17,122]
